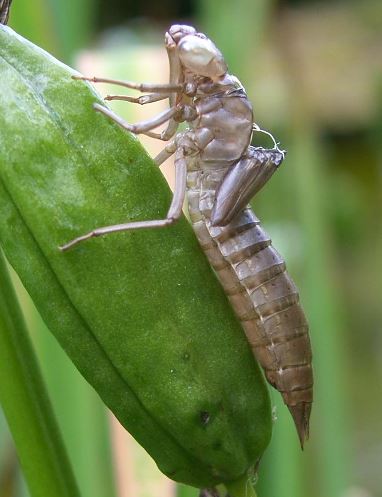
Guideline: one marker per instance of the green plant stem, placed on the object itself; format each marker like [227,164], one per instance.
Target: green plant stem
[26,404]
[241,488]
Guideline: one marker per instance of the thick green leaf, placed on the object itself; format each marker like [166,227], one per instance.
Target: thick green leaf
[140,313]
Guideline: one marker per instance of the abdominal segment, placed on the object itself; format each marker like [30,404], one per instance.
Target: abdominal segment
[262,294]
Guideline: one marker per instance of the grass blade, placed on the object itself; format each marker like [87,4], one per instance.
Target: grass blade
[26,405]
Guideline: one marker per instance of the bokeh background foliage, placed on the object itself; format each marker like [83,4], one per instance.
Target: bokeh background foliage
[313,73]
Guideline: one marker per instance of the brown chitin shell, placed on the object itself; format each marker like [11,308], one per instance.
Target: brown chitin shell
[251,271]
[264,297]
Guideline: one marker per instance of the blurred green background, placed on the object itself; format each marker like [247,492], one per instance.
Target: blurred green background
[313,71]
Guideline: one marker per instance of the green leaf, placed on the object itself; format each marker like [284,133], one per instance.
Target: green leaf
[141,314]
[25,403]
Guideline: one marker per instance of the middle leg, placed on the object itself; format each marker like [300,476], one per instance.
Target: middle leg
[142,100]
[143,126]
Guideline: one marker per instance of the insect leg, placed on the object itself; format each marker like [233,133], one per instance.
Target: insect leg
[170,89]
[176,77]
[142,100]
[166,153]
[170,130]
[146,99]
[143,87]
[157,136]
[172,216]
[143,126]
[167,133]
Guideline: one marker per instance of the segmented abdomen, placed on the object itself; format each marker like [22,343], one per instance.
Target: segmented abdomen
[264,297]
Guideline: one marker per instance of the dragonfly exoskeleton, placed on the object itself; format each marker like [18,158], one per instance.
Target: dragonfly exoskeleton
[219,171]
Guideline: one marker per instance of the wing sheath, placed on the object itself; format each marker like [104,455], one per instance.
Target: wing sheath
[242,181]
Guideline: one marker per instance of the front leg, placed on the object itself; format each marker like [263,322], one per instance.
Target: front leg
[142,87]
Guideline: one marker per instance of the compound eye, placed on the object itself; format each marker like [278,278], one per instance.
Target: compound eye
[201,56]
[196,51]
[178,31]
